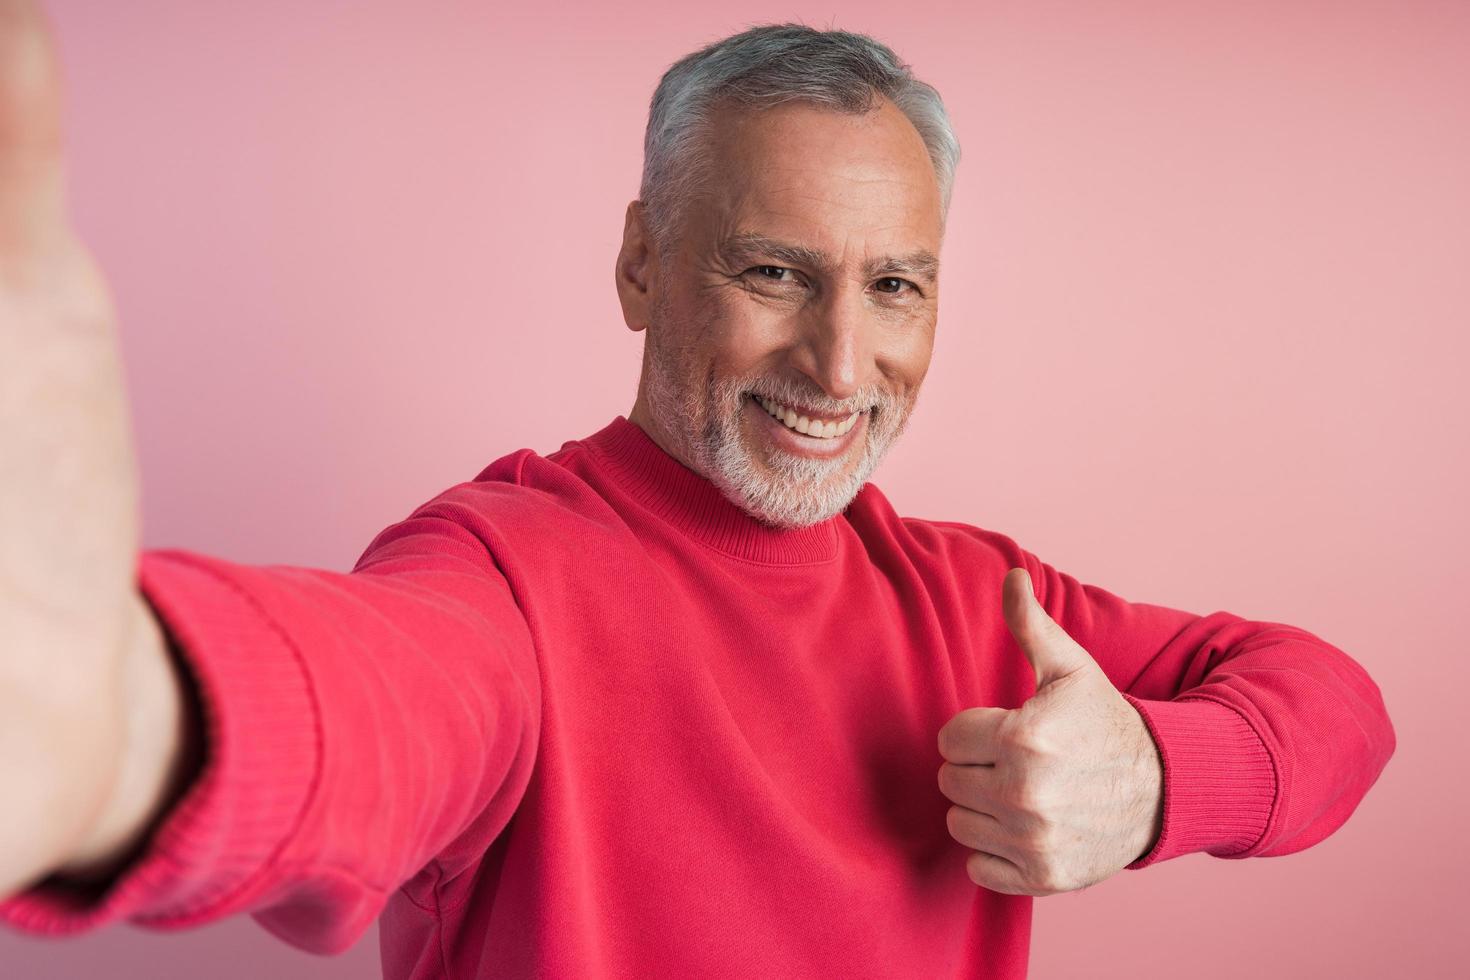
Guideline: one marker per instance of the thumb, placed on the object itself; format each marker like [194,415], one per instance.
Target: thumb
[1052,653]
[31,206]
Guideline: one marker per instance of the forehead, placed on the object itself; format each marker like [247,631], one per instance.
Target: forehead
[829,179]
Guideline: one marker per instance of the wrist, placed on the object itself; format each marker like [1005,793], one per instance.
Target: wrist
[159,758]
[1149,801]
[1219,778]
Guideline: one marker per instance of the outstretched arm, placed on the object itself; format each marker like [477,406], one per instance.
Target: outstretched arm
[184,738]
[358,729]
[69,639]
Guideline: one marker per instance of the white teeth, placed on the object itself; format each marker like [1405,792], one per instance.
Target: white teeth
[804,425]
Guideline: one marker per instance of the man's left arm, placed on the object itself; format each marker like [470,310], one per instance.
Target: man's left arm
[1152,733]
[1268,735]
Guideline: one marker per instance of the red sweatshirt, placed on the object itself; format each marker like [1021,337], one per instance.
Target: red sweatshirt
[583,717]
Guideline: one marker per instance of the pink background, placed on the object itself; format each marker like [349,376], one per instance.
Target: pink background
[1203,338]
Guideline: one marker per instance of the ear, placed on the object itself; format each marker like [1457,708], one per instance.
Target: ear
[637,269]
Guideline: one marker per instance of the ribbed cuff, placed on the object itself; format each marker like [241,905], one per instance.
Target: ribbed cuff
[261,758]
[1219,781]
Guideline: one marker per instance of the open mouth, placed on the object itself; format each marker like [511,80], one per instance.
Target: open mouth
[810,425]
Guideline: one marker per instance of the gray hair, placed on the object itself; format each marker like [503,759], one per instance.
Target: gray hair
[763,67]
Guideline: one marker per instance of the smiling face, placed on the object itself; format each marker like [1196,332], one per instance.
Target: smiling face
[801,285]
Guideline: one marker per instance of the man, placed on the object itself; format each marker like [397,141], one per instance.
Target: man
[685,697]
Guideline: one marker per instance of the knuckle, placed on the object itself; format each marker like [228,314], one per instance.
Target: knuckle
[1032,741]
[1047,874]
[1033,850]
[1052,881]
[1039,845]
[1032,799]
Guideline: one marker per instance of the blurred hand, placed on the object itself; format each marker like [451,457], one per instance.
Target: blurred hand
[68,489]
[1065,790]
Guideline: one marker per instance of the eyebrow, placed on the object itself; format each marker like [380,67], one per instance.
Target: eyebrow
[921,264]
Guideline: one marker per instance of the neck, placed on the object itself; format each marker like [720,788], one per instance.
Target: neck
[643,418]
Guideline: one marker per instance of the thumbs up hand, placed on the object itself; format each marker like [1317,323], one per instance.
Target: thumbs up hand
[1065,790]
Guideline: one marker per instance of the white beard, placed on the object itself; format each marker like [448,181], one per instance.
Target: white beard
[785,490]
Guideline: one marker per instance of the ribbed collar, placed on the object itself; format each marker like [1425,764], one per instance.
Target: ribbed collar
[695,506]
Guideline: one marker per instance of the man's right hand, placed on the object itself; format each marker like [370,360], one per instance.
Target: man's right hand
[77,645]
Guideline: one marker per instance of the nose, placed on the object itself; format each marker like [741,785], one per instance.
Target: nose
[836,349]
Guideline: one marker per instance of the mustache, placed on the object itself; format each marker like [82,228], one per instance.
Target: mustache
[732,391]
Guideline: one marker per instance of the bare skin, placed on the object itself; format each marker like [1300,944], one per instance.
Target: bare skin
[808,269]
[1065,790]
[837,305]
[1053,796]
[90,708]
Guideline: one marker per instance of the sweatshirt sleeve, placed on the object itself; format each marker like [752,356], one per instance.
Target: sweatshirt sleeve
[357,727]
[1269,736]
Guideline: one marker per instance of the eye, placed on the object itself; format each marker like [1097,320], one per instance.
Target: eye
[775,273]
[893,284]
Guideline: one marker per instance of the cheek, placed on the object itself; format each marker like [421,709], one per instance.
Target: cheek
[743,334]
[918,364]
[906,350]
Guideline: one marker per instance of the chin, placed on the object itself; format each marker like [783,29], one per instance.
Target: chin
[782,490]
